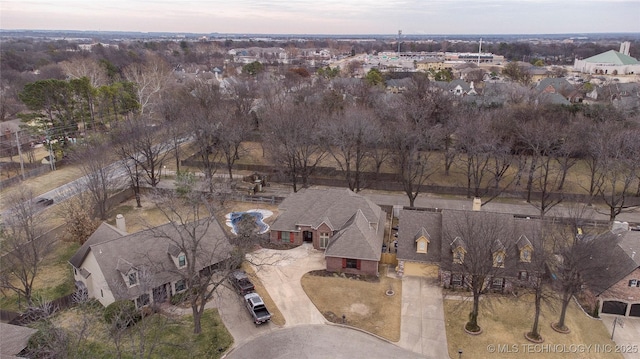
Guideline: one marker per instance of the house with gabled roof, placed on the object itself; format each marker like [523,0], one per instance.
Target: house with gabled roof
[430,244]
[348,227]
[146,267]
[621,294]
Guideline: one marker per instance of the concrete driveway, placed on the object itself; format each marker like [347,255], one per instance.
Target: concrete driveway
[280,273]
[626,335]
[236,317]
[422,325]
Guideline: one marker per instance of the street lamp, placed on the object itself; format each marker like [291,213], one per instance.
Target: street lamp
[459,353]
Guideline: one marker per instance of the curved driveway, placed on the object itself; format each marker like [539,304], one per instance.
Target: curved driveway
[280,272]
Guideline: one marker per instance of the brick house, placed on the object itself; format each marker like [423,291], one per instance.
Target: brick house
[348,227]
[621,295]
[430,239]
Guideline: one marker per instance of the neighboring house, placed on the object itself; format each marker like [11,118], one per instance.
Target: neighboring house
[398,85]
[144,267]
[347,226]
[14,339]
[429,239]
[621,295]
[624,96]
[457,87]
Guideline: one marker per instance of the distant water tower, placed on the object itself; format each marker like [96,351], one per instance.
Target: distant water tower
[399,34]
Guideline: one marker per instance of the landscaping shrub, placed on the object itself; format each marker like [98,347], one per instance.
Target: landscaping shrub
[122,313]
[178,298]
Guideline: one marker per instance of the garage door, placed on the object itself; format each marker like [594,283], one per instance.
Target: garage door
[635,310]
[614,307]
[421,269]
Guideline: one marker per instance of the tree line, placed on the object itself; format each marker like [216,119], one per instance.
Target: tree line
[304,121]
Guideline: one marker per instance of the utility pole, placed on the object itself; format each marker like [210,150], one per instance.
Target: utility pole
[20,154]
[51,159]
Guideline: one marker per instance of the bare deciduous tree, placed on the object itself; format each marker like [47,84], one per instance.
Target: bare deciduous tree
[476,239]
[412,163]
[23,244]
[150,78]
[96,161]
[582,259]
[349,141]
[209,259]
[618,173]
[294,142]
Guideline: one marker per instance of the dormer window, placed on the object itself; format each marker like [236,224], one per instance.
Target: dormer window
[182,260]
[422,245]
[132,278]
[498,259]
[422,241]
[458,248]
[525,248]
[458,256]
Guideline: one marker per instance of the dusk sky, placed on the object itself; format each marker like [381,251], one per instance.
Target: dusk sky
[326,16]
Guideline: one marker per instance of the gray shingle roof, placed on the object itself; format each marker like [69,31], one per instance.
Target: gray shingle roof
[147,251]
[412,223]
[312,207]
[358,240]
[445,229]
[14,339]
[105,232]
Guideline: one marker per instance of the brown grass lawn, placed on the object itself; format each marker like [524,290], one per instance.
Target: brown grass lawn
[276,315]
[505,320]
[364,304]
[54,278]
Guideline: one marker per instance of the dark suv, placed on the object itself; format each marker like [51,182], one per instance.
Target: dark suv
[241,282]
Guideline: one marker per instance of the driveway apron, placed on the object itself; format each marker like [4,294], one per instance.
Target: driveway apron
[422,327]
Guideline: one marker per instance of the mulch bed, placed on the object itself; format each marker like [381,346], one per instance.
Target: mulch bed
[325,273]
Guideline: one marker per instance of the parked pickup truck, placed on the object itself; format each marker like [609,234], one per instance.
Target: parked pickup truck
[257,308]
[241,282]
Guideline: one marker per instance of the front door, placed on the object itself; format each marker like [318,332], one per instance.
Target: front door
[160,294]
[307,236]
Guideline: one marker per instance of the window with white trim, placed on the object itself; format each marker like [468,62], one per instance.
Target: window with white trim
[132,278]
[142,300]
[181,285]
[182,260]
[324,239]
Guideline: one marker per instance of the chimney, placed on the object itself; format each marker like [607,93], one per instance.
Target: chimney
[120,223]
[477,203]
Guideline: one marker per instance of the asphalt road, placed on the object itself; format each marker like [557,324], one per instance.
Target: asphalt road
[318,342]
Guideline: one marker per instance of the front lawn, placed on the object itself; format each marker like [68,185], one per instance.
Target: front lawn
[365,304]
[504,320]
[164,337]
